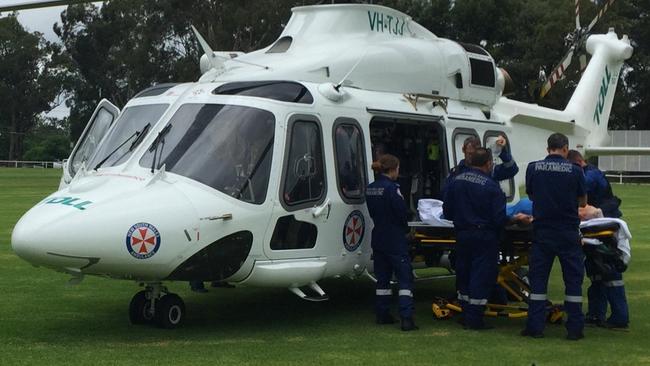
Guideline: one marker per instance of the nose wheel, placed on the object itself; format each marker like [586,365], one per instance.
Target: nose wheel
[141,309]
[156,305]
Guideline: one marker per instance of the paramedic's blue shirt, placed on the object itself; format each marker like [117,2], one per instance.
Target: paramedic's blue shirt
[474,200]
[595,185]
[388,211]
[506,170]
[554,185]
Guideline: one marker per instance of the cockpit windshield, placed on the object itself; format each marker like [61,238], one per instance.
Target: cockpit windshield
[226,147]
[132,126]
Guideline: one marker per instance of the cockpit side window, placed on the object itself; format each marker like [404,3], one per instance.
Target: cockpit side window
[304,176]
[226,147]
[130,128]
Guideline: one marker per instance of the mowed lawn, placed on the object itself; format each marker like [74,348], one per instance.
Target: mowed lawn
[46,322]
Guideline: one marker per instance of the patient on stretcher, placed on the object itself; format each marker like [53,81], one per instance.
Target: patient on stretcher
[430,211]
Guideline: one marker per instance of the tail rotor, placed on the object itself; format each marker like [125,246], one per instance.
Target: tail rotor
[575,42]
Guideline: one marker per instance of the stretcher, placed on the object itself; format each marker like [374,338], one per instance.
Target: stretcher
[434,245]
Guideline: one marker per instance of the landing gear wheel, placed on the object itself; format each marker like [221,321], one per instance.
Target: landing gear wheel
[140,309]
[170,311]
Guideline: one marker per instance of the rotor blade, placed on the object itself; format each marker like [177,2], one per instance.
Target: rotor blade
[23,5]
[600,14]
[577,14]
[558,73]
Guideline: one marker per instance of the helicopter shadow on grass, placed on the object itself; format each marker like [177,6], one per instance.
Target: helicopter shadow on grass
[225,313]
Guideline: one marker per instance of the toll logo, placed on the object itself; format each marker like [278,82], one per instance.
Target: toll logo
[604,88]
[353,230]
[142,240]
[77,203]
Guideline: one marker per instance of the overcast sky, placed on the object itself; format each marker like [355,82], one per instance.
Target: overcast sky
[41,20]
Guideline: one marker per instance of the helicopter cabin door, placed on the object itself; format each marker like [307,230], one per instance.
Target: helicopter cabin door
[349,211]
[300,218]
[419,144]
[102,119]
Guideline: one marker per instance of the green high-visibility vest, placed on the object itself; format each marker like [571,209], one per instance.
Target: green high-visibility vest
[433,151]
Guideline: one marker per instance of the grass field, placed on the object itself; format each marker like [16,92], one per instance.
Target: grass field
[45,321]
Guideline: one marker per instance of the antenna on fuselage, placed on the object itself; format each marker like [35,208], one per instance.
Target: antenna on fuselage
[340,83]
[332,91]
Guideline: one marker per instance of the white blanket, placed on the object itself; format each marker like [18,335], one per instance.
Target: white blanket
[623,235]
[430,212]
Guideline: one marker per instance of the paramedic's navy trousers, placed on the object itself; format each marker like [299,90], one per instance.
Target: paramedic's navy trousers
[385,265]
[477,256]
[547,244]
[609,289]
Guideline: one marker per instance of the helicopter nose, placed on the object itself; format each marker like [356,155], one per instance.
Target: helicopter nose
[23,243]
[135,232]
[50,244]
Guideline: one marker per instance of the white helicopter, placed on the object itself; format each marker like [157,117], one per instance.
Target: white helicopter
[255,174]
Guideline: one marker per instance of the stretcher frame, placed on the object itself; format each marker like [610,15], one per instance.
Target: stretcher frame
[429,242]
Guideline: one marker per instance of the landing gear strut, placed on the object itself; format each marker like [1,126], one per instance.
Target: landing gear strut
[156,305]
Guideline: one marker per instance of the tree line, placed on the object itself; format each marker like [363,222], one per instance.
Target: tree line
[125,46]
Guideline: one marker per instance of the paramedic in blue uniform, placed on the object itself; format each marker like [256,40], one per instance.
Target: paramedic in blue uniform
[607,285]
[389,245]
[477,206]
[506,170]
[599,191]
[557,189]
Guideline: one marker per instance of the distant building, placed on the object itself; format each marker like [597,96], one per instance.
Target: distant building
[627,163]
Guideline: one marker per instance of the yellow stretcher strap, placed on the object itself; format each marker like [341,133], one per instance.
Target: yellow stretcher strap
[600,234]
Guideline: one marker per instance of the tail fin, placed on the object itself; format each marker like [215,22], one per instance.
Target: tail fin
[591,102]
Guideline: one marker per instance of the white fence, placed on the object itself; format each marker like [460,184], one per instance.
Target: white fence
[31,164]
[620,178]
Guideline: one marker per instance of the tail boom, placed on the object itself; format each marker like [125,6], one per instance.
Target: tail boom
[591,103]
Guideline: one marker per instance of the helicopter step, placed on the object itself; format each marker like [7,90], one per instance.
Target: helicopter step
[321,295]
[156,305]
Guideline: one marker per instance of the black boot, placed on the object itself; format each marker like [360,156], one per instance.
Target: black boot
[408,324]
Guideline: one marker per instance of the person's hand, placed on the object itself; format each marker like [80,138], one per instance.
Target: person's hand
[523,219]
[589,212]
[501,141]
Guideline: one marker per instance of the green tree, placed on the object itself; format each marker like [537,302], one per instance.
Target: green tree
[632,110]
[28,82]
[48,141]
